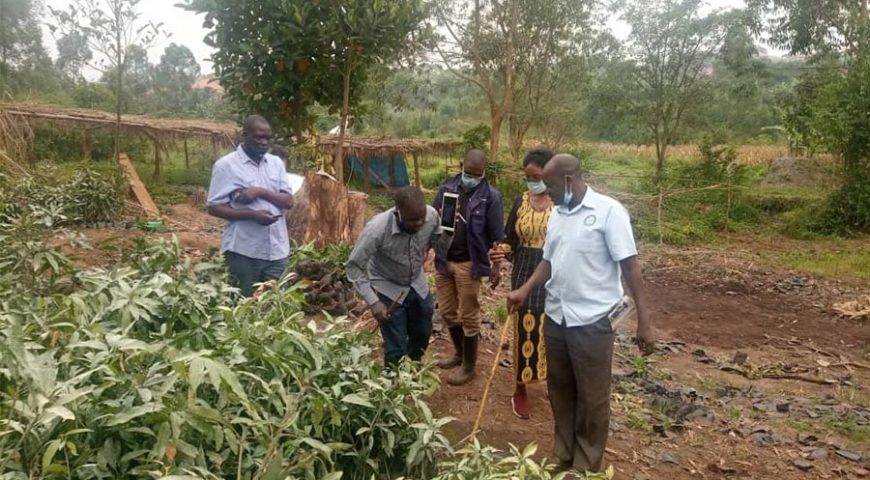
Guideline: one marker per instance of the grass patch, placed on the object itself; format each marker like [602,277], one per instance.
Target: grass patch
[847,427]
[833,262]
[638,423]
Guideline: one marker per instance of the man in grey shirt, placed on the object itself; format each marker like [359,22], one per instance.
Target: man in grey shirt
[386,268]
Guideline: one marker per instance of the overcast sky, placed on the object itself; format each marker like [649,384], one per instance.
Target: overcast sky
[185,27]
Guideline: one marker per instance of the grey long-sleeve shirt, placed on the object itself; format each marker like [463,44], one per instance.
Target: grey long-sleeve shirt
[388,261]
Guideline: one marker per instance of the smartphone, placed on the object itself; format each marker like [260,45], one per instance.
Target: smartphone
[449,204]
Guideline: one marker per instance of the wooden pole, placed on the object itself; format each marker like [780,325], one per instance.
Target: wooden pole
[661,203]
[391,170]
[87,148]
[366,172]
[728,212]
[157,160]
[417,180]
[186,155]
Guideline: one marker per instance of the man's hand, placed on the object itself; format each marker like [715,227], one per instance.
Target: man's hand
[380,312]
[497,254]
[248,195]
[517,298]
[646,339]
[264,217]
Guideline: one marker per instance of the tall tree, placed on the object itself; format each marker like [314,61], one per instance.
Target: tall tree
[281,57]
[672,44]
[111,28]
[506,48]
[480,47]
[172,81]
[21,49]
[555,39]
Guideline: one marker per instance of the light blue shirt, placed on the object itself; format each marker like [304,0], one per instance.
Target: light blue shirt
[246,237]
[584,247]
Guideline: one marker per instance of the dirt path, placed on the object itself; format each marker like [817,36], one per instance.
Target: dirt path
[737,427]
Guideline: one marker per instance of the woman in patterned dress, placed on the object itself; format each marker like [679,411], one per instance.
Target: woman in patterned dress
[526,230]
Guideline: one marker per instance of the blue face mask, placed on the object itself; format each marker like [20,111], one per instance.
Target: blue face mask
[569,194]
[470,182]
[537,187]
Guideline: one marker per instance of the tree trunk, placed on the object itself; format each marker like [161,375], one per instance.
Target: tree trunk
[120,60]
[496,119]
[661,150]
[338,160]
[357,203]
[865,10]
[507,102]
[515,139]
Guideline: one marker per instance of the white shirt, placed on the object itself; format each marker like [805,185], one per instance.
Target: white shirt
[584,247]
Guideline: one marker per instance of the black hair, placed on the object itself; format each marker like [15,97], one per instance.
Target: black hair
[409,197]
[252,120]
[538,156]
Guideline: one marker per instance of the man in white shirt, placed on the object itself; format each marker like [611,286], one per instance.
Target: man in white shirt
[589,249]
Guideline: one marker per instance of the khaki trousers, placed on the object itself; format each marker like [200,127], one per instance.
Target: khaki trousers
[578,381]
[458,301]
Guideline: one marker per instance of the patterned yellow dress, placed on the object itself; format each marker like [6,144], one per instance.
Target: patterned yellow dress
[526,231]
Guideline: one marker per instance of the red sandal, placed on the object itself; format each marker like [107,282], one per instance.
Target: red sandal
[520,404]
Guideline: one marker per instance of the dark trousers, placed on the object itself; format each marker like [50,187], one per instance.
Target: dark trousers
[407,332]
[246,271]
[578,381]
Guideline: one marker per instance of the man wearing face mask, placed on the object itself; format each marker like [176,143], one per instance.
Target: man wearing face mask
[479,227]
[386,268]
[249,190]
[588,252]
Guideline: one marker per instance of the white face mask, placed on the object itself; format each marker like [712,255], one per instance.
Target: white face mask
[537,187]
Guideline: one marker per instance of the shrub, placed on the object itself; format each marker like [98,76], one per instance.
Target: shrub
[86,198]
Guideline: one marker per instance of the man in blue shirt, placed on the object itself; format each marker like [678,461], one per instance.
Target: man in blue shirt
[589,250]
[479,226]
[249,190]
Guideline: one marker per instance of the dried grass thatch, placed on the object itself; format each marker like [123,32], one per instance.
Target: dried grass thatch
[361,146]
[222,133]
[15,140]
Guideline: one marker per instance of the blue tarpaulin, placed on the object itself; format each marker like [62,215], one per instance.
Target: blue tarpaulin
[379,168]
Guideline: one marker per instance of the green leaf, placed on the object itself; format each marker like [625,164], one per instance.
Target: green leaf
[318,445]
[355,399]
[275,470]
[50,452]
[62,412]
[131,413]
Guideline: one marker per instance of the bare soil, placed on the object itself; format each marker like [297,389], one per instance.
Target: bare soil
[719,302]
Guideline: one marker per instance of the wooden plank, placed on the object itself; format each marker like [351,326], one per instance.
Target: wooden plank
[138,188]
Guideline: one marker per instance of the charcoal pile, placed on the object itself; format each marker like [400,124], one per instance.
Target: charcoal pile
[326,288]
